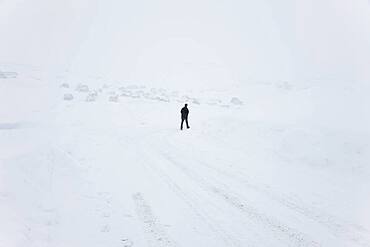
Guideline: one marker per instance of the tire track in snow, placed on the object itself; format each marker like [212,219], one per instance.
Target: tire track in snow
[201,215]
[279,229]
[351,233]
[340,229]
[156,234]
[196,207]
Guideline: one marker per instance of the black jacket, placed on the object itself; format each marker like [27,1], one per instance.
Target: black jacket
[184,112]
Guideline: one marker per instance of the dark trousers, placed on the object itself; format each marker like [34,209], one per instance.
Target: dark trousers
[182,122]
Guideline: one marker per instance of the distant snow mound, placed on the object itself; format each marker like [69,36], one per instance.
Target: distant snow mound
[68,96]
[113,98]
[214,101]
[114,92]
[7,75]
[82,88]
[161,98]
[92,96]
[285,85]
[236,101]
[64,85]
[195,101]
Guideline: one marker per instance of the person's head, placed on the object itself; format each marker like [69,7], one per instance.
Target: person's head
[186,105]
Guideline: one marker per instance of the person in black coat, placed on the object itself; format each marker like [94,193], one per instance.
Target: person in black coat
[184,116]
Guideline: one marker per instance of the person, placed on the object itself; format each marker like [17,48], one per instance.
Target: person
[184,116]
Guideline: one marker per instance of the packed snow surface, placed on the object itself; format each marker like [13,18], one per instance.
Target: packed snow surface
[100,163]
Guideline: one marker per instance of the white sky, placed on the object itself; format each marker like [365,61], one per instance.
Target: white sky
[196,41]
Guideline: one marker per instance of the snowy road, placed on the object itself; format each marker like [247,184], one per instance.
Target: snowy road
[122,174]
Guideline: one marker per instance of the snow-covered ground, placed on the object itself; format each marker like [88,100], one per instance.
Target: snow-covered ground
[91,152]
[263,164]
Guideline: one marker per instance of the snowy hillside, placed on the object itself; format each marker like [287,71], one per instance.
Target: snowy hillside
[91,153]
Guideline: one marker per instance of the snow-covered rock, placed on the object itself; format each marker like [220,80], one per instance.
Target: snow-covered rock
[64,85]
[92,96]
[113,98]
[236,101]
[82,88]
[68,96]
